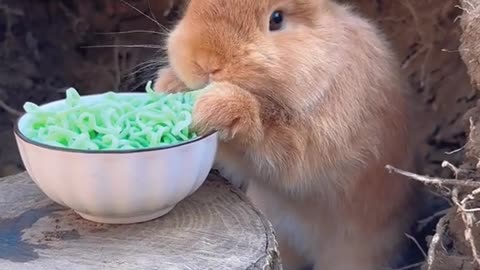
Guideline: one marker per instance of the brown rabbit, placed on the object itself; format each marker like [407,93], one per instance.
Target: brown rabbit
[310,106]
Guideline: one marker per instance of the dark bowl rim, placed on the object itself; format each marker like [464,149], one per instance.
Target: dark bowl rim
[24,138]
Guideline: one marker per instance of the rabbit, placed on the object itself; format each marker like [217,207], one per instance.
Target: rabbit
[310,105]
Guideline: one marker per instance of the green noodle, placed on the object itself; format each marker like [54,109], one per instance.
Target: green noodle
[114,121]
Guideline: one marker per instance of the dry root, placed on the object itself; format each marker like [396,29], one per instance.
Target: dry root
[433,180]
[464,193]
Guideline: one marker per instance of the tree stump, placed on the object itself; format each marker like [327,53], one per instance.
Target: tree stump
[215,228]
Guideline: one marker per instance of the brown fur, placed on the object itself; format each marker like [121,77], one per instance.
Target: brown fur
[308,117]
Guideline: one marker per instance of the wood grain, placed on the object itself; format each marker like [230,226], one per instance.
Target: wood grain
[215,228]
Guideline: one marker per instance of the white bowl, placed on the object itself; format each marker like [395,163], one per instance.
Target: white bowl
[117,187]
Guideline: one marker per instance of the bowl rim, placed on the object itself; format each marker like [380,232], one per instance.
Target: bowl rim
[25,139]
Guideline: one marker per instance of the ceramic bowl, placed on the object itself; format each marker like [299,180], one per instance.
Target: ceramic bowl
[117,187]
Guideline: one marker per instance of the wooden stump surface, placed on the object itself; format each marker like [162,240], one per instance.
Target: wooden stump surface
[215,228]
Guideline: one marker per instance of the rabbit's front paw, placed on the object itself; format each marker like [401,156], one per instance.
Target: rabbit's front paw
[229,110]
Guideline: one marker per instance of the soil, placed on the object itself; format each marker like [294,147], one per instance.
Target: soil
[45,47]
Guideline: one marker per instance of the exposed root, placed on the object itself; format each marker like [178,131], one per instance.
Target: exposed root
[455,151]
[469,219]
[434,180]
[461,204]
[424,222]
[436,241]
[417,244]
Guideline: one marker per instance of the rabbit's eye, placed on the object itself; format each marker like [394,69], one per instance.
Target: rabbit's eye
[276,20]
